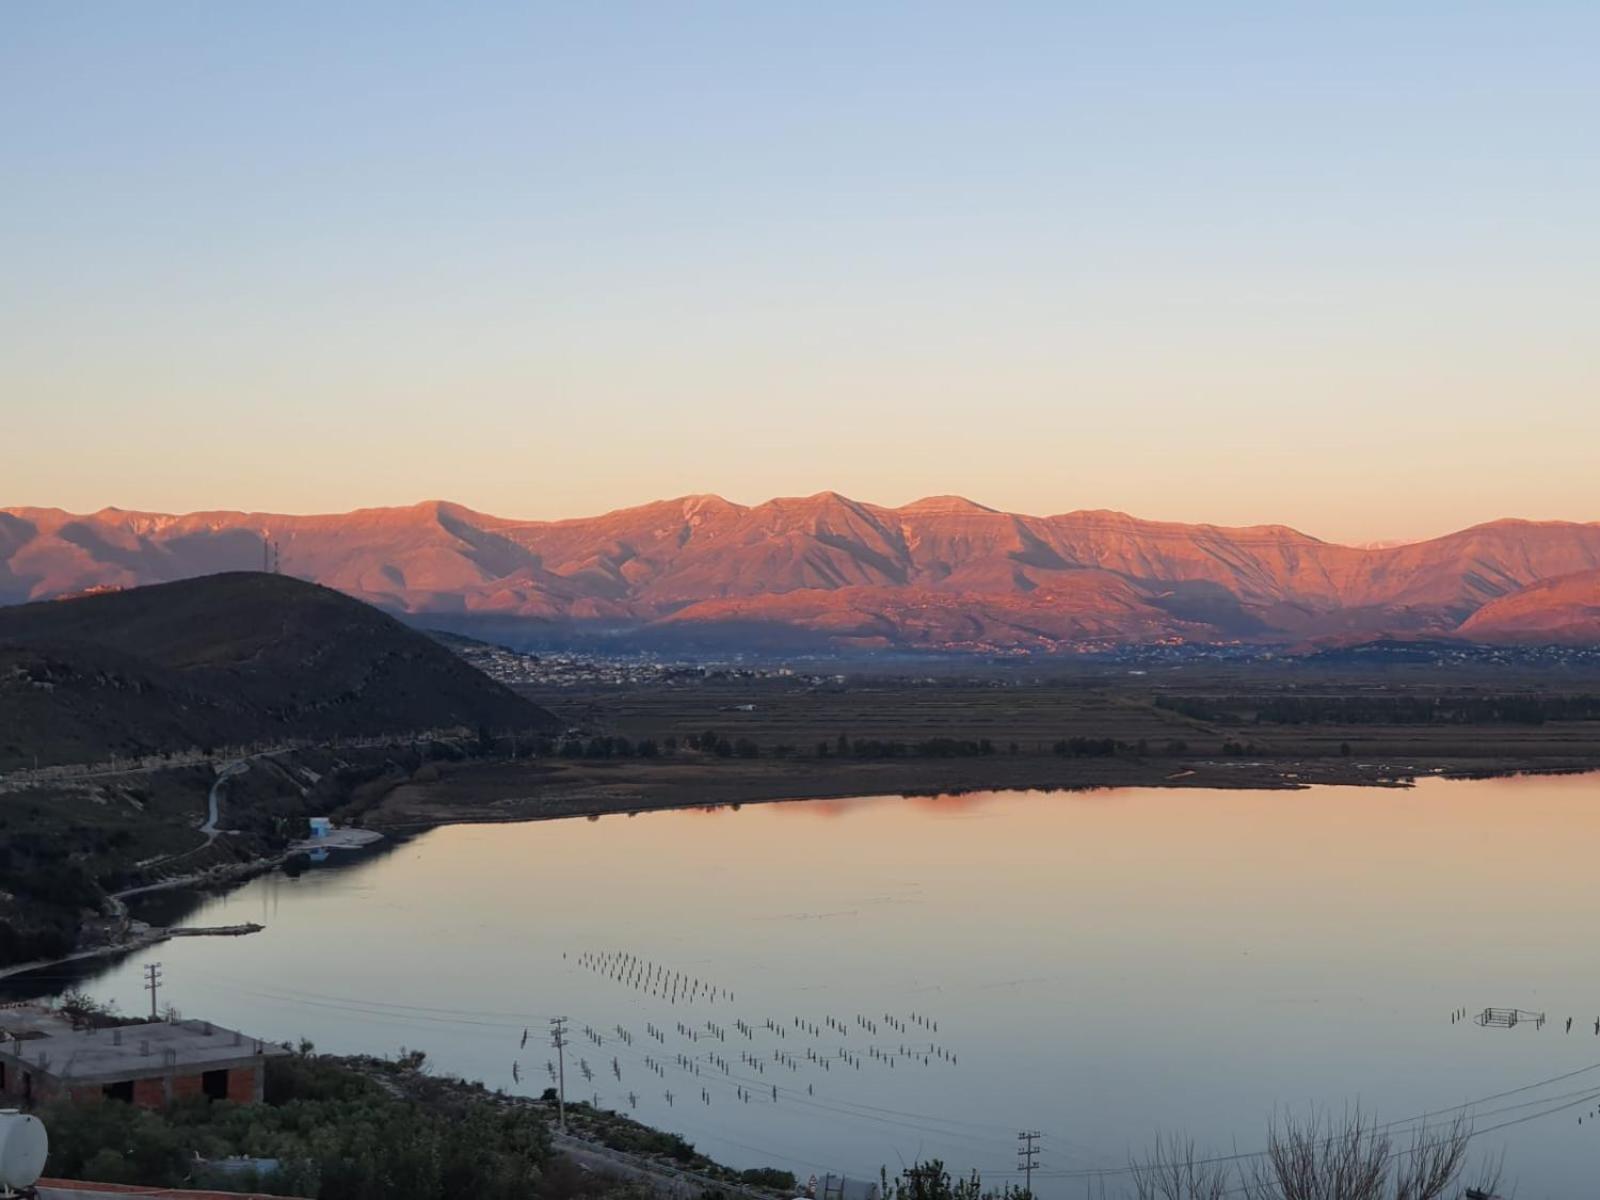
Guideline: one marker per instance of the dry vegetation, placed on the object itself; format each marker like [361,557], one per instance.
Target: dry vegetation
[1036,730]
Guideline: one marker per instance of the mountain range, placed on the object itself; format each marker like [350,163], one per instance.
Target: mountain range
[943,573]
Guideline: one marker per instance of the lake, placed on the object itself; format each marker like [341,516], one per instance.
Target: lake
[1099,967]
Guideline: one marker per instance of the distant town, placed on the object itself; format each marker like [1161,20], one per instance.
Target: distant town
[517,668]
[574,668]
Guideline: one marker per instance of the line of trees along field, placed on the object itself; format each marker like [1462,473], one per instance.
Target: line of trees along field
[714,745]
[1384,710]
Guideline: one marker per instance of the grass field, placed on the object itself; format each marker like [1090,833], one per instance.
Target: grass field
[1023,719]
[1035,713]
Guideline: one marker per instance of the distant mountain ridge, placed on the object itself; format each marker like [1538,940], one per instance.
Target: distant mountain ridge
[940,573]
[1563,609]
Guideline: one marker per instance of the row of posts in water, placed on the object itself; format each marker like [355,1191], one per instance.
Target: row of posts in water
[1509,1018]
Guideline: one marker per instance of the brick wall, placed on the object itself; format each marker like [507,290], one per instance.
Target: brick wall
[14,1072]
[45,1089]
[43,1086]
[186,1087]
[242,1085]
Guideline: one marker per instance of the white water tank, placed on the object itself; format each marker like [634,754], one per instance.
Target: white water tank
[24,1146]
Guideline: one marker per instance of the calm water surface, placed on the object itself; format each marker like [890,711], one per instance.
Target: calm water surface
[1100,967]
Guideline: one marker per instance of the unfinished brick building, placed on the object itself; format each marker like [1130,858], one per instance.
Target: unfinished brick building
[43,1058]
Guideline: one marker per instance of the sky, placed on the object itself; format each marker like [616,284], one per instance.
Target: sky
[1330,265]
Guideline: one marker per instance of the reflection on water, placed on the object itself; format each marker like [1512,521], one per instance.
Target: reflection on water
[1100,966]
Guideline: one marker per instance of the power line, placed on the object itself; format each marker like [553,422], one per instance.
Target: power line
[1516,1091]
[152,982]
[460,1017]
[444,1015]
[558,1039]
[1244,1189]
[845,1110]
[1243,1156]
[376,1009]
[849,1110]
[1028,1156]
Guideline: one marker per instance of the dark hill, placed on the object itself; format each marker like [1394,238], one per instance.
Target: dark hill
[230,658]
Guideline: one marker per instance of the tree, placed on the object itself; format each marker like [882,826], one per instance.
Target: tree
[113,1143]
[336,1132]
[1174,1171]
[1353,1158]
[85,1012]
[930,1181]
[770,1177]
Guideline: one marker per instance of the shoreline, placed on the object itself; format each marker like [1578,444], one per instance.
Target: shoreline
[487,793]
[152,936]
[590,802]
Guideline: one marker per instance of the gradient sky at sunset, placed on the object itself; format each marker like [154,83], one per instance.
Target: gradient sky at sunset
[1332,265]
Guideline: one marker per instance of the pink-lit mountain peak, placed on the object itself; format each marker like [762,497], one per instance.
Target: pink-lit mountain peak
[997,578]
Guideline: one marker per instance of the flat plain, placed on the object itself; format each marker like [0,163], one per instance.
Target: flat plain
[1043,730]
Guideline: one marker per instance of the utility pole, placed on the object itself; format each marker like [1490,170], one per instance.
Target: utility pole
[558,1039]
[1028,1156]
[152,981]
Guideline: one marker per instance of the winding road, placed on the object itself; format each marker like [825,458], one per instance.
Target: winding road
[214,798]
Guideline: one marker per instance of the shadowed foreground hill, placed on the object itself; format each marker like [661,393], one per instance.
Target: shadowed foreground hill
[226,658]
